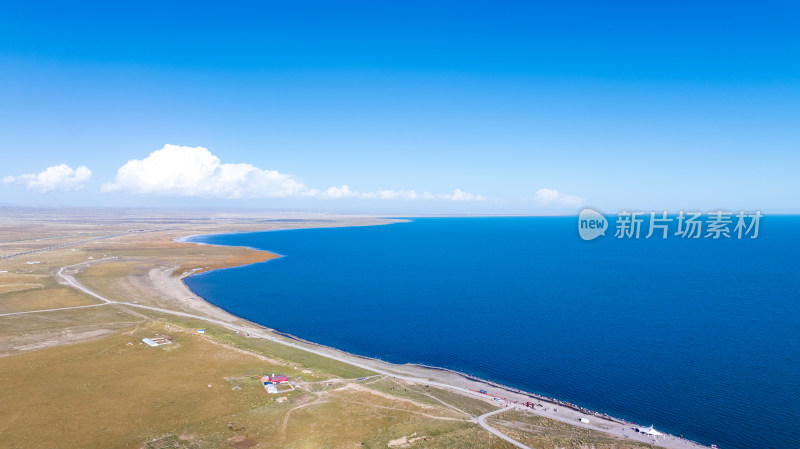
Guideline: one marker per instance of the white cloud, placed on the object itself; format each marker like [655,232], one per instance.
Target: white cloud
[194,171]
[549,197]
[56,178]
[335,193]
[394,195]
[457,195]
[460,195]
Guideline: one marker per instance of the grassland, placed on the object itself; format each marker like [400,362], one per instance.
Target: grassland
[82,377]
[26,292]
[117,392]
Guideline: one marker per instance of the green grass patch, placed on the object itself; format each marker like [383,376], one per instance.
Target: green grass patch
[294,356]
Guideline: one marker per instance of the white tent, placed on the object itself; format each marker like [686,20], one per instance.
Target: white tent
[649,431]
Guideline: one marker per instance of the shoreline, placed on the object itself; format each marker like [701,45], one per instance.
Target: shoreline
[511,395]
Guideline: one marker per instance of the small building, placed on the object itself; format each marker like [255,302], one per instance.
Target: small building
[278,379]
[157,341]
[201,331]
[269,386]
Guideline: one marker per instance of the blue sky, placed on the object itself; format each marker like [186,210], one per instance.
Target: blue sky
[523,109]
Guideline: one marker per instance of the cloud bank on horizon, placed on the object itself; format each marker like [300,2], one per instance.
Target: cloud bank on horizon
[546,197]
[194,171]
[56,178]
[183,171]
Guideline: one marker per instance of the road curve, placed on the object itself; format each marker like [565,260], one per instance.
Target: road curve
[71,281]
[497,433]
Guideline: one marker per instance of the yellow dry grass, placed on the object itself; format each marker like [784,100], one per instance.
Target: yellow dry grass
[107,393]
[11,282]
[40,299]
[25,292]
[539,432]
[70,379]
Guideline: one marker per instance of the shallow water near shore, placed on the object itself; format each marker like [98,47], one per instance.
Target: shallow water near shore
[699,337]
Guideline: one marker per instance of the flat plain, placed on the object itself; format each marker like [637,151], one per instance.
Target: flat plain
[74,371]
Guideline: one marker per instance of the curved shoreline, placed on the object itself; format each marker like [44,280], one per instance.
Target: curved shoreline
[511,392]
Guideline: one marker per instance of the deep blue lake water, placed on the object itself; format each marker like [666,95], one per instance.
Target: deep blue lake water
[699,337]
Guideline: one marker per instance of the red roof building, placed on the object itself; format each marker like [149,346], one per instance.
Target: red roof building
[278,379]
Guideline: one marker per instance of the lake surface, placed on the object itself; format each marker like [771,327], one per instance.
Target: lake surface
[699,337]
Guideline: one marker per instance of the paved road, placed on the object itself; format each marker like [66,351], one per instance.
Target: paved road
[482,422]
[68,244]
[71,281]
[62,245]
[52,310]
